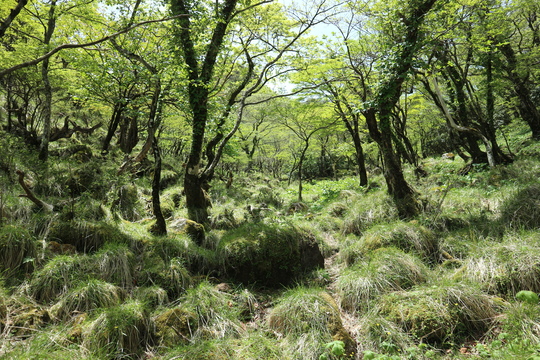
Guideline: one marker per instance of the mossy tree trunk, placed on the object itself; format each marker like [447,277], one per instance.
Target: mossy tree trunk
[47,88]
[527,108]
[199,75]
[379,117]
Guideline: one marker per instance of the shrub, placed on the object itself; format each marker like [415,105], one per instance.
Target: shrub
[385,270]
[270,254]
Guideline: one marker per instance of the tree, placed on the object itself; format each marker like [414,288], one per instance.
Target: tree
[307,119]
[265,42]
[378,116]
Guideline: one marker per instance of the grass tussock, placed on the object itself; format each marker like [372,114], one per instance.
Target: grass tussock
[439,314]
[522,209]
[115,263]
[385,270]
[57,277]
[505,268]
[86,298]
[409,237]
[18,250]
[87,237]
[308,318]
[368,211]
[123,331]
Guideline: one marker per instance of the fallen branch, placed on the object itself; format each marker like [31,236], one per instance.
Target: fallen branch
[30,195]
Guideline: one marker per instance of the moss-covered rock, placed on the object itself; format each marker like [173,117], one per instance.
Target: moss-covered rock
[193,229]
[268,254]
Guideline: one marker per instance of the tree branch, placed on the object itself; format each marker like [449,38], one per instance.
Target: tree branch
[91,43]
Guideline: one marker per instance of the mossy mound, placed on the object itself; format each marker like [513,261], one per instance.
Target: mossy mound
[17,250]
[268,254]
[176,326]
[309,311]
[123,331]
[522,210]
[407,236]
[86,297]
[87,237]
[438,314]
[385,270]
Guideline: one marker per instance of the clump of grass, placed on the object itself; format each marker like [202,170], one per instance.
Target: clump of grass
[152,296]
[127,203]
[115,263]
[18,250]
[522,321]
[409,237]
[176,326]
[216,314]
[123,331]
[439,314]
[50,343]
[87,297]
[57,277]
[505,268]
[522,210]
[269,254]
[374,208]
[375,332]
[384,270]
[87,237]
[308,318]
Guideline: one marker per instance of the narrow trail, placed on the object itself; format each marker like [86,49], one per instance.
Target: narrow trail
[334,268]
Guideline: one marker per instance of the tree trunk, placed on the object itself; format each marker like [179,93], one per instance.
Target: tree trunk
[160,228]
[116,117]
[47,104]
[360,160]
[527,108]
